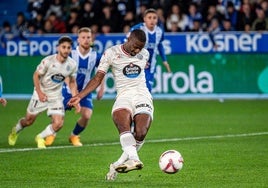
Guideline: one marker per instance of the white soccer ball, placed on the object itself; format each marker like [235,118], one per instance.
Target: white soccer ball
[171,161]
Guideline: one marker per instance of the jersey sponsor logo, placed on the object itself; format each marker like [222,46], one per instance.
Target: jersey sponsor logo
[131,70]
[57,78]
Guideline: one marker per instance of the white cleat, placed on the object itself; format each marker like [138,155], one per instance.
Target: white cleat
[129,165]
[112,174]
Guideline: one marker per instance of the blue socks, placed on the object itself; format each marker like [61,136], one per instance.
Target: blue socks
[78,129]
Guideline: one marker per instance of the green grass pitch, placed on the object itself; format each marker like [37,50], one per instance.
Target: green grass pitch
[224,144]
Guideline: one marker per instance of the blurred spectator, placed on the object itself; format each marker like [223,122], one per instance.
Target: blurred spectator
[140,13]
[177,16]
[264,6]
[247,27]
[126,28]
[31,28]
[155,4]
[38,20]
[87,15]
[129,19]
[246,17]
[174,26]
[248,2]
[74,29]
[48,27]
[211,14]
[94,28]
[119,9]
[6,34]
[232,14]
[109,19]
[161,18]
[165,5]
[223,4]
[123,6]
[193,14]
[261,22]
[56,6]
[20,27]
[58,25]
[227,25]
[213,29]
[36,6]
[105,28]
[197,26]
[71,5]
[190,15]
[72,20]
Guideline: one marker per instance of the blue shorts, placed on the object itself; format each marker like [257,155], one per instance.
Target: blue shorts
[85,102]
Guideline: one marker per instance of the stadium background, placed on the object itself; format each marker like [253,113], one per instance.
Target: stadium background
[237,69]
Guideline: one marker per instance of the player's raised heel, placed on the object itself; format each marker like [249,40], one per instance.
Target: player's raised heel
[129,165]
[40,142]
[112,174]
[49,140]
[12,137]
[75,140]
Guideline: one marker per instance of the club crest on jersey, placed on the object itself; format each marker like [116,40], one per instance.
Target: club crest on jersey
[139,56]
[57,78]
[131,70]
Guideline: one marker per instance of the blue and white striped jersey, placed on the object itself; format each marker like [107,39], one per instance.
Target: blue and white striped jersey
[86,66]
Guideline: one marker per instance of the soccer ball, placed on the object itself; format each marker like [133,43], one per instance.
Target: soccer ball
[171,161]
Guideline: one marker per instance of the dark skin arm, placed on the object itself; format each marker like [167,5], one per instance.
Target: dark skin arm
[91,86]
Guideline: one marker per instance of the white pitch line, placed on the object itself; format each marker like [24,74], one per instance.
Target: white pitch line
[147,141]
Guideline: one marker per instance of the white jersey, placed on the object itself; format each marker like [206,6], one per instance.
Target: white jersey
[53,74]
[128,71]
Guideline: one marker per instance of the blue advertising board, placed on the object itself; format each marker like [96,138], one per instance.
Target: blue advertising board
[179,43]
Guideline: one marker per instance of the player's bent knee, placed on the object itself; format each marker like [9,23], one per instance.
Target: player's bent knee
[140,136]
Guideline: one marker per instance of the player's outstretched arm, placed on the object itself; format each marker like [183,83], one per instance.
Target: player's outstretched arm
[91,86]
[101,90]
[167,66]
[42,96]
[74,91]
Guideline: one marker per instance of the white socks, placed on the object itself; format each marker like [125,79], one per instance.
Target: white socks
[139,144]
[18,126]
[48,131]
[129,144]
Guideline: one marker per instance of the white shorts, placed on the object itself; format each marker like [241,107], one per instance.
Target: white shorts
[35,106]
[135,103]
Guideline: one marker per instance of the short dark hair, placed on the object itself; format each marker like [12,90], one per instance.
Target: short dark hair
[138,34]
[65,39]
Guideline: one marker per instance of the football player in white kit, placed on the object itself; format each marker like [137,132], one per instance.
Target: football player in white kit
[48,80]
[87,60]
[133,101]
[154,44]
